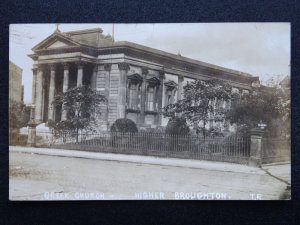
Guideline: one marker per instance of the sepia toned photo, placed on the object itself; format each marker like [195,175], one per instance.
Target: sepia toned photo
[195,111]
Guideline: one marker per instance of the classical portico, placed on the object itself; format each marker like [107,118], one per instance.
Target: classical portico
[55,78]
[137,81]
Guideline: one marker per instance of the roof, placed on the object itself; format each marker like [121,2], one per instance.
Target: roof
[177,57]
[97,40]
[90,37]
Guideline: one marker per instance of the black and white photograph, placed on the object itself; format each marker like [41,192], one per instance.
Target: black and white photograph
[157,111]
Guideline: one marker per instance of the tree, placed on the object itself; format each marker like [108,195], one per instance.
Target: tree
[201,102]
[82,105]
[19,115]
[264,105]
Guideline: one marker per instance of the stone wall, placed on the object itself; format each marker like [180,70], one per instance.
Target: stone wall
[113,93]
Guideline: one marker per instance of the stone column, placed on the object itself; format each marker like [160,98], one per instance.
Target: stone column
[51,92]
[39,96]
[143,96]
[128,101]
[123,67]
[255,147]
[160,97]
[65,88]
[94,77]
[33,94]
[179,92]
[107,68]
[79,74]
[66,77]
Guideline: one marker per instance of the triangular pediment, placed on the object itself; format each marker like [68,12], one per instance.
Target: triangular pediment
[57,44]
[56,40]
[171,83]
[135,77]
[153,80]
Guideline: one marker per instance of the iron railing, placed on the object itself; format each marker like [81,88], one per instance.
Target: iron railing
[226,149]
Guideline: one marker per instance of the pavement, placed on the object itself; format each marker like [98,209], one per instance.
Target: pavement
[279,171]
[56,174]
[198,164]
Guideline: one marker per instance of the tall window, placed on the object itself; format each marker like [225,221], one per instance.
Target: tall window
[150,99]
[170,91]
[133,96]
[169,97]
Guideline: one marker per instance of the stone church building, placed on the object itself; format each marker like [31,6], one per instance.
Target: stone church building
[137,80]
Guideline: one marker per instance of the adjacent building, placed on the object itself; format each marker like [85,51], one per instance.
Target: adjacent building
[16,89]
[137,80]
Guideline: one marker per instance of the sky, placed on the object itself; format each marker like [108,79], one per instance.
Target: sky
[261,49]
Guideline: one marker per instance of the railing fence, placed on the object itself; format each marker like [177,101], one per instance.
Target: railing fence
[226,149]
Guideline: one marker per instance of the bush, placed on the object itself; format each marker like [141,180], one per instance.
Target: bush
[124,125]
[177,126]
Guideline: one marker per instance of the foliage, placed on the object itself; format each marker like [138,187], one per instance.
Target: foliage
[19,115]
[61,129]
[264,105]
[177,126]
[82,105]
[124,125]
[198,105]
[215,132]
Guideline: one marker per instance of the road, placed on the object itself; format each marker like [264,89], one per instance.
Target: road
[44,177]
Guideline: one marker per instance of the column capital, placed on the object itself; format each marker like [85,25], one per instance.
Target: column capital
[40,67]
[52,66]
[123,66]
[145,70]
[66,65]
[80,64]
[180,78]
[107,67]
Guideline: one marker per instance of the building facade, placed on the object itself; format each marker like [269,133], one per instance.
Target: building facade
[16,89]
[137,81]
